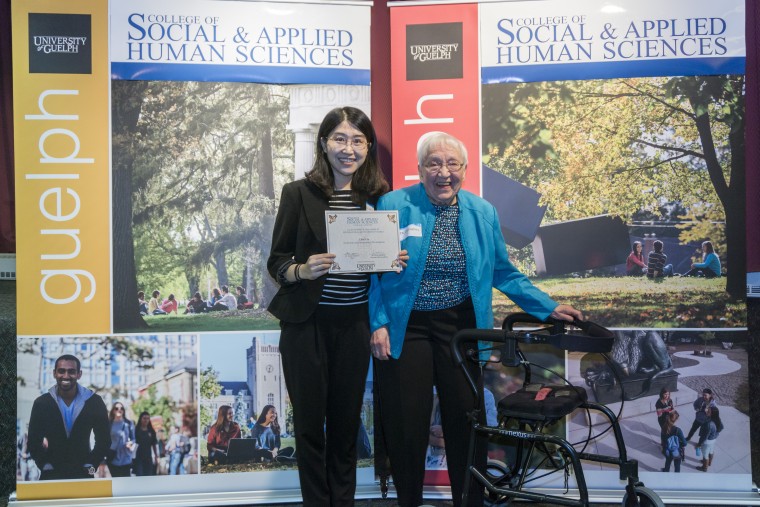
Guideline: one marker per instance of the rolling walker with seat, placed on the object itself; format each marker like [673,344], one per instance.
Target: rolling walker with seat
[524,416]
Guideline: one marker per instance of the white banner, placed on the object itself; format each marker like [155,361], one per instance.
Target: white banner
[241,41]
[557,40]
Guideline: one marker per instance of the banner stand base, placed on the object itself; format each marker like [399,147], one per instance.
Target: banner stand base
[267,497]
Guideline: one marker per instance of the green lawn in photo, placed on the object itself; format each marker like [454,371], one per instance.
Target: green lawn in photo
[235,320]
[674,302]
[210,468]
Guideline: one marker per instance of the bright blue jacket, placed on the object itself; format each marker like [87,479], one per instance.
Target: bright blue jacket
[711,262]
[392,295]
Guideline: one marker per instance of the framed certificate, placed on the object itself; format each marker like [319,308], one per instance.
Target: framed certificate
[363,241]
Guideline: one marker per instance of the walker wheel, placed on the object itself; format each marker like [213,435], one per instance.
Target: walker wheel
[644,497]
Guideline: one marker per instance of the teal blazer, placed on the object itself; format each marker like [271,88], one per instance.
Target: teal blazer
[392,295]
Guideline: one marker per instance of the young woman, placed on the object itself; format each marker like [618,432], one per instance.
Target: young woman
[324,317]
[122,442]
[220,434]
[710,265]
[170,304]
[242,299]
[216,296]
[634,264]
[673,442]
[663,406]
[154,305]
[266,431]
[146,459]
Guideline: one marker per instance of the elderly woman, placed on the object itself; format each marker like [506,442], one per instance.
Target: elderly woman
[458,255]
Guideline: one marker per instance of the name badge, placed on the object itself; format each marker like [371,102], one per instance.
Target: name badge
[411,230]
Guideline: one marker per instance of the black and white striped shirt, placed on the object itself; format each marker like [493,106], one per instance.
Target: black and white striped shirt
[342,289]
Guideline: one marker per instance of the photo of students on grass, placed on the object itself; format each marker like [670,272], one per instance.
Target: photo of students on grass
[619,195]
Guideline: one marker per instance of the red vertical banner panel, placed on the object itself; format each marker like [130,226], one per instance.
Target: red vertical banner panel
[435,82]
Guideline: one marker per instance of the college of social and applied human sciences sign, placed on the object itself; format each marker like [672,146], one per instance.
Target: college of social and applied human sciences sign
[264,42]
[579,40]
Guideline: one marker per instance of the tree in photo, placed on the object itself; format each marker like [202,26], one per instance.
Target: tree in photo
[157,406]
[626,147]
[210,388]
[201,161]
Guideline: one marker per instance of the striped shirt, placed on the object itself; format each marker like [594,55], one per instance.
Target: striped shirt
[656,263]
[342,289]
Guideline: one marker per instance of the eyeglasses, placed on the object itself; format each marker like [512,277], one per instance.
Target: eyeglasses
[120,409]
[435,166]
[357,143]
[64,371]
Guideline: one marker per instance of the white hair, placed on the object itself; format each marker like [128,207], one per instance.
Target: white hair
[430,140]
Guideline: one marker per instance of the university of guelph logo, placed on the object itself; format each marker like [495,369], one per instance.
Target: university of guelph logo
[60,43]
[434,51]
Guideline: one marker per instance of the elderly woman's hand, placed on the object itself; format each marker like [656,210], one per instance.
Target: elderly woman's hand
[566,313]
[380,344]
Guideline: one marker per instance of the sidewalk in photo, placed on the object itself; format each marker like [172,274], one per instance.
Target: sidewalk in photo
[641,430]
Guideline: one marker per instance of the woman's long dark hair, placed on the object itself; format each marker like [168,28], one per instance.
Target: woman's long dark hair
[263,417]
[638,255]
[368,181]
[150,424]
[715,418]
[221,417]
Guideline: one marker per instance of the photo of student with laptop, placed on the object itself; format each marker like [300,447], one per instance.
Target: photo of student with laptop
[220,434]
[266,433]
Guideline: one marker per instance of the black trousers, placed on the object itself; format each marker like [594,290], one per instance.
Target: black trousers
[120,470]
[325,362]
[406,401]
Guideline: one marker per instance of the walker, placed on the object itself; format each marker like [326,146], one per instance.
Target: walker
[524,415]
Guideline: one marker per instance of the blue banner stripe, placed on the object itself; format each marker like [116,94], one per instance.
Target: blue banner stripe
[143,71]
[611,70]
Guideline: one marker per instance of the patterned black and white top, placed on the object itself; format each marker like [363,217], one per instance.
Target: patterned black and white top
[342,289]
[444,281]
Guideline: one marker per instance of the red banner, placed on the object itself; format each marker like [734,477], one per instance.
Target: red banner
[435,79]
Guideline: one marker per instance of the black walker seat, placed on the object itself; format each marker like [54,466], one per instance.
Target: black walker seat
[523,415]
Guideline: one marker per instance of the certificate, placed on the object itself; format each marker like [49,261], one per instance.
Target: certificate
[363,241]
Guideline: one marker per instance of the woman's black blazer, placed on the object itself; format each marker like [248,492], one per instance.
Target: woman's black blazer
[299,231]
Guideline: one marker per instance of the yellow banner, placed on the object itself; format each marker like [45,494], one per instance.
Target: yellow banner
[62,122]
[92,488]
